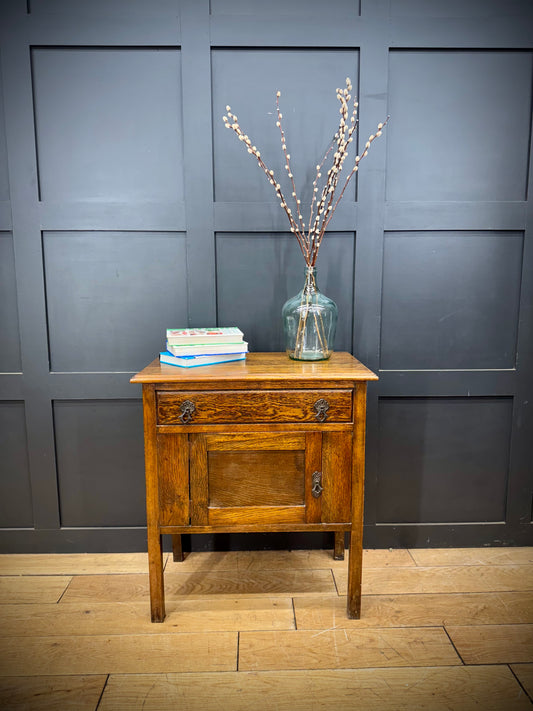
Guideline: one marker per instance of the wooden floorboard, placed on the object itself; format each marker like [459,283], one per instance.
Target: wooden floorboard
[493,644]
[179,586]
[51,693]
[198,615]
[287,560]
[431,689]
[442,579]
[412,610]
[472,556]
[74,563]
[440,630]
[345,648]
[122,654]
[32,589]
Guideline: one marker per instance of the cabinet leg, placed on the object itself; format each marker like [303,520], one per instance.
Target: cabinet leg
[355,567]
[338,553]
[177,551]
[155,566]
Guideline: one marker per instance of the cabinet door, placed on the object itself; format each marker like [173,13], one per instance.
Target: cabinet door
[258,478]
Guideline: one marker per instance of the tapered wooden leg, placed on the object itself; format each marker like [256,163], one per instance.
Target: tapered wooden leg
[177,551]
[355,567]
[338,553]
[155,566]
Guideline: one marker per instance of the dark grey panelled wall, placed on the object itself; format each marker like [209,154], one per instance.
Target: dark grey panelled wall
[125,207]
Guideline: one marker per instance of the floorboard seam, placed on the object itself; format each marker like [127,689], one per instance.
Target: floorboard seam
[453,645]
[102,693]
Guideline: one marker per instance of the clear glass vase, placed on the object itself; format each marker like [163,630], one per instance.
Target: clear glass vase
[309,322]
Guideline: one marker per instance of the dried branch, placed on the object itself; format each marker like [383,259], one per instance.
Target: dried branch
[323,207]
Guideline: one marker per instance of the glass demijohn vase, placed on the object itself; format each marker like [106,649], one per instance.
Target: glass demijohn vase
[309,322]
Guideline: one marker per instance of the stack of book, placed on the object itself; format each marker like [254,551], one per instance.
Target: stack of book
[191,347]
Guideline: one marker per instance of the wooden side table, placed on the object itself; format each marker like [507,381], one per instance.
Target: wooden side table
[265,444]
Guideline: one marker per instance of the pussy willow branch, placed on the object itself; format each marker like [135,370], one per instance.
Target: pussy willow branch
[301,225]
[309,241]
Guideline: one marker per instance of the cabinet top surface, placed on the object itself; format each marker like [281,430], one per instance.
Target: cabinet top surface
[260,366]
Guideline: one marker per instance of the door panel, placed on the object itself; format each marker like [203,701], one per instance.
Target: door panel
[173,467]
[336,477]
[277,478]
[251,477]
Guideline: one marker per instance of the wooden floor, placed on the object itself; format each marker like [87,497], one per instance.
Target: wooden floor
[440,629]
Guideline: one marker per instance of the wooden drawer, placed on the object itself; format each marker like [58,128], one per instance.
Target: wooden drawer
[253,406]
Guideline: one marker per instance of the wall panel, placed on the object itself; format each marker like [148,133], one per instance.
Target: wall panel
[443,459]
[108,123]
[15,488]
[100,469]
[110,297]
[97,8]
[10,350]
[4,179]
[450,300]
[461,125]
[247,80]
[276,8]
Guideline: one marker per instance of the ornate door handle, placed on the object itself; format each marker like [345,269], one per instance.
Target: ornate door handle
[317,487]
[187,410]
[321,409]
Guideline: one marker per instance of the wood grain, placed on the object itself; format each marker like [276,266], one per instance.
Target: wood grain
[198,615]
[132,588]
[417,610]
[31,589]
[124,654]
[73,563]
[472,556]
[50,693]
[488,688]
[266,367]
[234,406]
[256,516]
[345,649]
[336,477]
[313,463]
[493,644]
[473,578]
[258,441]
[173,479]
[155,547]
[198,480]
[256,478]
[355,570]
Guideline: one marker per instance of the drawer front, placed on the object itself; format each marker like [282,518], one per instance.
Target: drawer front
[253,406]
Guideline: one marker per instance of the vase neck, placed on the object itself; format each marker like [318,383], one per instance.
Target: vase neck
[310,284]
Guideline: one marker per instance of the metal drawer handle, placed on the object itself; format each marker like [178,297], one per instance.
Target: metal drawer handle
[321,409]
[187,410]
[317,487]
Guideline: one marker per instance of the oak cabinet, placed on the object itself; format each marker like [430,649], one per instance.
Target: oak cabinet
[268,444]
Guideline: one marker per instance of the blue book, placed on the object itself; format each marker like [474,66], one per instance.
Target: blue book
[195,361]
